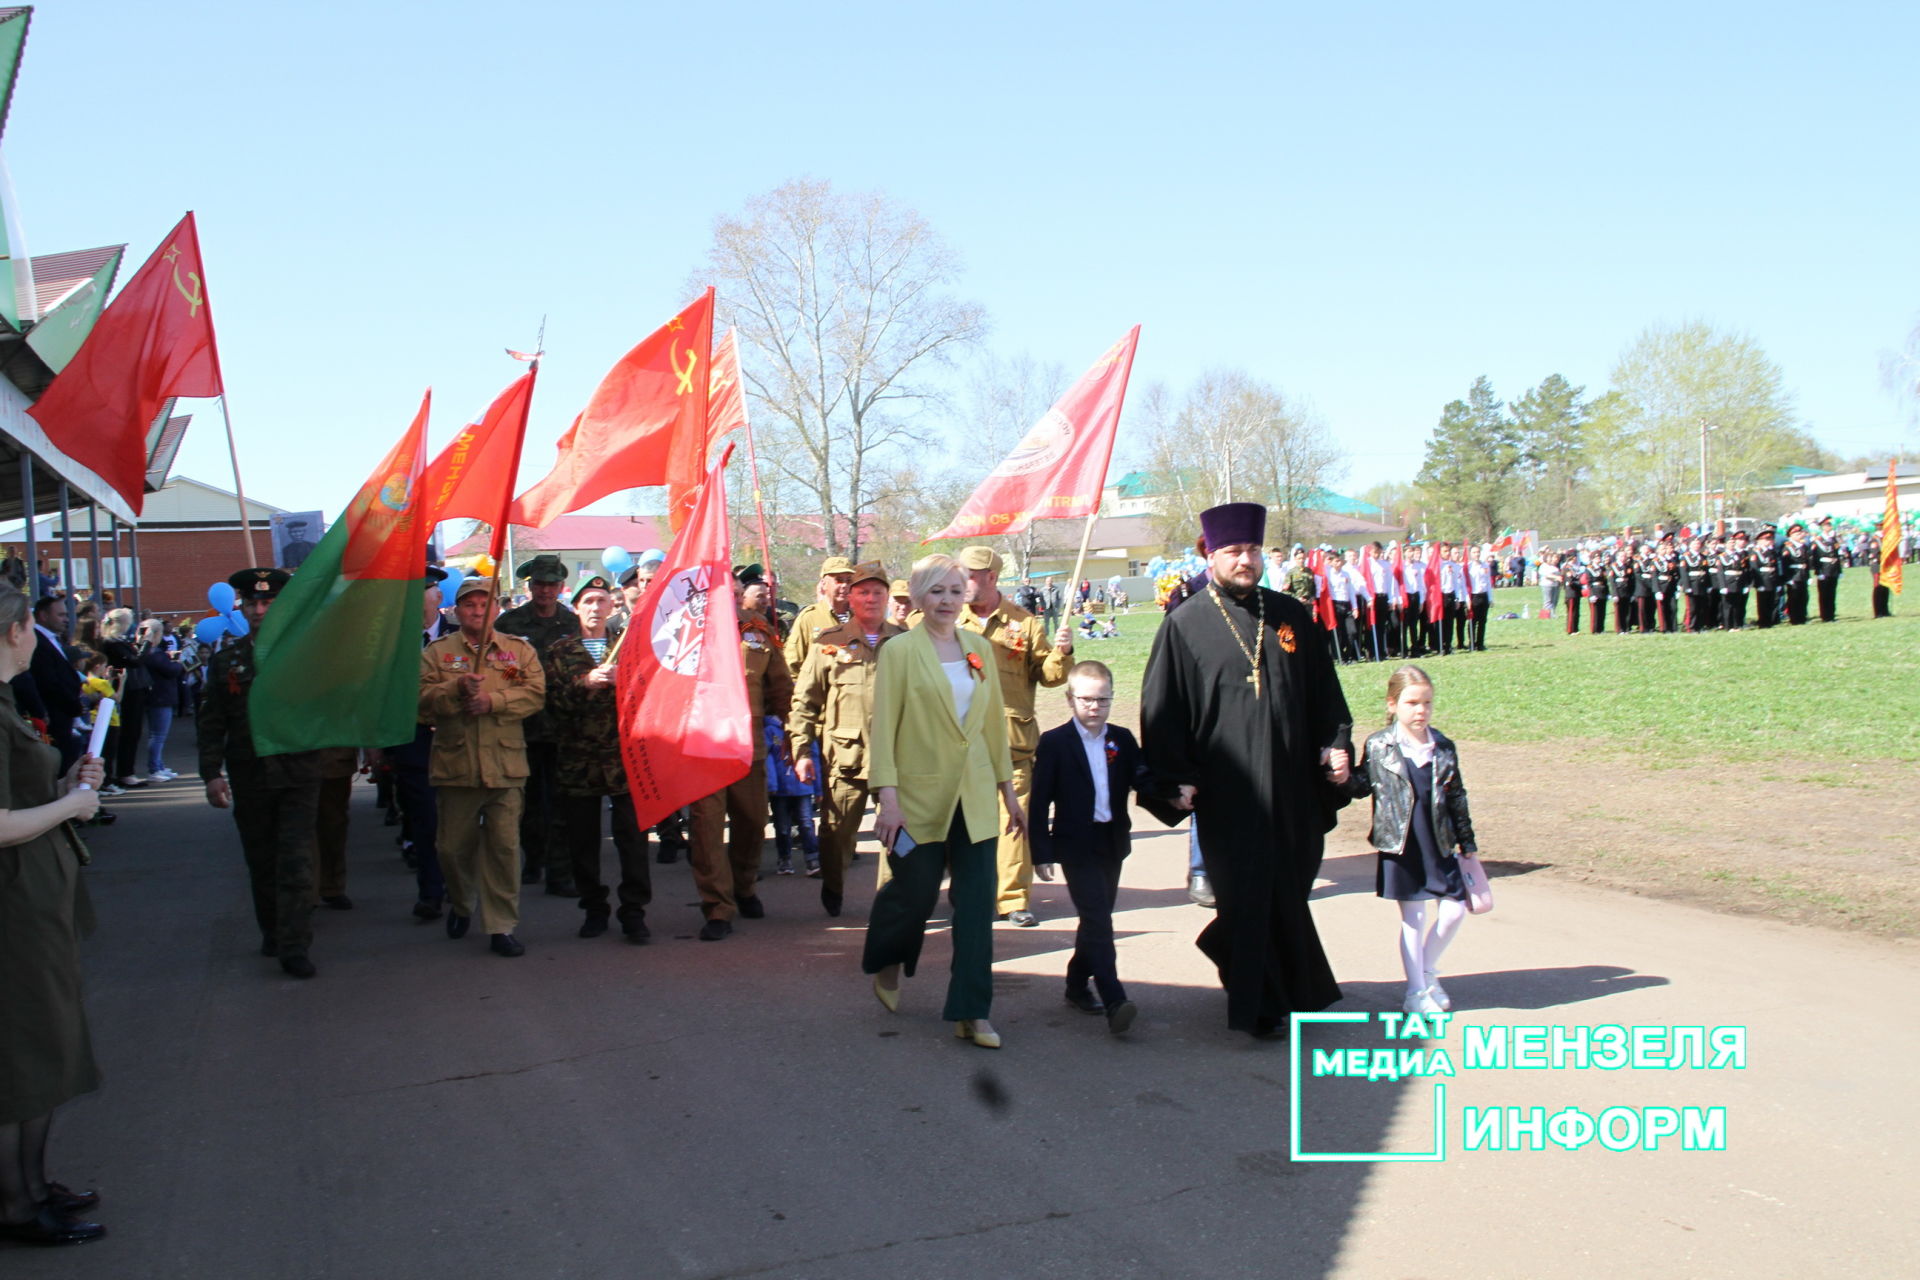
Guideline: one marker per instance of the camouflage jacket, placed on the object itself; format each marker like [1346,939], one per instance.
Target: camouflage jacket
[586,722]
[542,634]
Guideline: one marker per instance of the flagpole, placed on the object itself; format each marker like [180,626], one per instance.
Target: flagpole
[1086,540]
[759,508]
[497,543]
[239,489]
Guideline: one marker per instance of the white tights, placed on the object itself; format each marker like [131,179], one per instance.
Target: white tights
[1420,949]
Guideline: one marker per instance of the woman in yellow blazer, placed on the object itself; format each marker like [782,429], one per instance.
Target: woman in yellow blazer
[937,753]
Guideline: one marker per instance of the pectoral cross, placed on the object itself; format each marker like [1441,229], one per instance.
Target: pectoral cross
[1253,678]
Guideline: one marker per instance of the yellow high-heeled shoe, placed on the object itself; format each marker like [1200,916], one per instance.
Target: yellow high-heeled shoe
[889,996]
[966,1030]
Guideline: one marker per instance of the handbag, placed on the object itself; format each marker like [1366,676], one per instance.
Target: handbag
[1479,888]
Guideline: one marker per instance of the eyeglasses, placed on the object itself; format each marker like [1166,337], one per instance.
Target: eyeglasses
[1091,702]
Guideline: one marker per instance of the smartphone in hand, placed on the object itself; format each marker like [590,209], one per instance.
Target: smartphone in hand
[903,844]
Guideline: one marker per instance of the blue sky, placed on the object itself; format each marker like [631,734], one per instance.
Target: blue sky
[1367,205]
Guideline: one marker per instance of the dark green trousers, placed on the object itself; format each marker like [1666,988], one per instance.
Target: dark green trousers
[277,835]
[897,923]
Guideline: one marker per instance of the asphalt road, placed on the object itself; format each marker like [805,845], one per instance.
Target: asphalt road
[746,1108]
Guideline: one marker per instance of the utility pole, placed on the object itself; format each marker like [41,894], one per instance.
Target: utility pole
[1705,427]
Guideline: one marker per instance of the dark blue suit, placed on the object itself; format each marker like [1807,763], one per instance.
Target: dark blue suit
[50,689]
[1060,818]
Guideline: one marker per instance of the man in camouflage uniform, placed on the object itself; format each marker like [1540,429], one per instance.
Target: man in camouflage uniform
[586,719]
[829,610]
[476,689]
[1025,660]
[541,621]
[728,873]
[275,799]
[833,706]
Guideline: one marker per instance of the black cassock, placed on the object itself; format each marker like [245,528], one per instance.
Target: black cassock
[1263,803]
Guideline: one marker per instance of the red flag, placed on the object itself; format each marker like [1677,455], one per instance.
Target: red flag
[685,729]
[726,413]
[1366,571]
[645,425]
[1436,603]
[1060,465]
[1397,569]
[154,341]
[1323,594]
[1892,570]
[472,478]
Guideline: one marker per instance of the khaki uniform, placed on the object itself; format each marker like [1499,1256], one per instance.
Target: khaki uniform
[276,802]
[1026,658]
[726,875]
[479,769]
[833,706]
[807,626]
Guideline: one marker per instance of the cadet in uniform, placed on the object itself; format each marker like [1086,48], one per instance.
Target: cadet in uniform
[1025,660]
[727,872]
[476,689]
[1736,576]
[828,610]
[1767,576]
[586,721]
[1696,579]
[1666,587]
[833,707]
[1620,587]
[541,621]
[1796,566]
[275,799]
[1829,561]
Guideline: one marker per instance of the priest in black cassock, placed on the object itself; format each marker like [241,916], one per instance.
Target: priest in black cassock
[1243,722]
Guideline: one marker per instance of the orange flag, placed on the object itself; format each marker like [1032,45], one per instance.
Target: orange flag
[473,476]
[1892,570]
[645,424]
[154,341]
[726,413]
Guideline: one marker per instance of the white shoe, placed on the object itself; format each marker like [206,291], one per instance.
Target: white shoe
[1438,992]
[112,789]
[1421,1001]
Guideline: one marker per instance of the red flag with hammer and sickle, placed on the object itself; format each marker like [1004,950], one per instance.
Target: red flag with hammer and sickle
[646,423]
[153,342]
[726,413]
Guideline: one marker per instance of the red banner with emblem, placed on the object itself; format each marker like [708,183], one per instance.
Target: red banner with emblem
[473,476]
[645,425]
[153,342]
[726,414]
[1057,470]
[685,726]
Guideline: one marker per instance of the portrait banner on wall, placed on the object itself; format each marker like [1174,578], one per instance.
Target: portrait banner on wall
[295,535]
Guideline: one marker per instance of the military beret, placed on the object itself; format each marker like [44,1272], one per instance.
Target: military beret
[597,582]
[868,571]
[978,558]
[835,564]
[545,568]
[259,584]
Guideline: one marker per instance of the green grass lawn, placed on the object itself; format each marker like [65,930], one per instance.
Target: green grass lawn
[1846,691]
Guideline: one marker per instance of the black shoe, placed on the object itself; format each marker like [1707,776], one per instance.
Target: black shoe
[751,908]
[457,924]
[831,900]
[505,944]
[338,902]
[393,817]
[714,930]
[1120,1017]
[297,966]
[1085,1001]
[48,1227]
[666,855]
[529,875]
[269,948]
[561,889]
[637,932]
[593,926]
[63,1201]
[428,909]
[1269,1029]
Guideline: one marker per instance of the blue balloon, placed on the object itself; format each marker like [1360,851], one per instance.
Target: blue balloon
[209,630]
[220,596]
[616,561]
[237,622]
[450,588]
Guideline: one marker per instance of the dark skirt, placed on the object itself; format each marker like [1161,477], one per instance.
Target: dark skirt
[1421,869]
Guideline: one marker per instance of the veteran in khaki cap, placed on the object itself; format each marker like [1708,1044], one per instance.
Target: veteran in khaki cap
[833,707]
[1026,661]
[828,610]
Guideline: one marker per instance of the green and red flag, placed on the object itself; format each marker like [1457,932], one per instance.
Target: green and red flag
[338,657]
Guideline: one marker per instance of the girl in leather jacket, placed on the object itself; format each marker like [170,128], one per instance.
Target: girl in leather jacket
[1420,819]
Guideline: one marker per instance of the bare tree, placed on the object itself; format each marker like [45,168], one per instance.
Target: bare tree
[840,303]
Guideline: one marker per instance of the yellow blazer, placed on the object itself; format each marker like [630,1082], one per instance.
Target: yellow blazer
[933,760]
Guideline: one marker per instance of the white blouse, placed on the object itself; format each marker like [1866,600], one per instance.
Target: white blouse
[1418,754]
[961,678]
